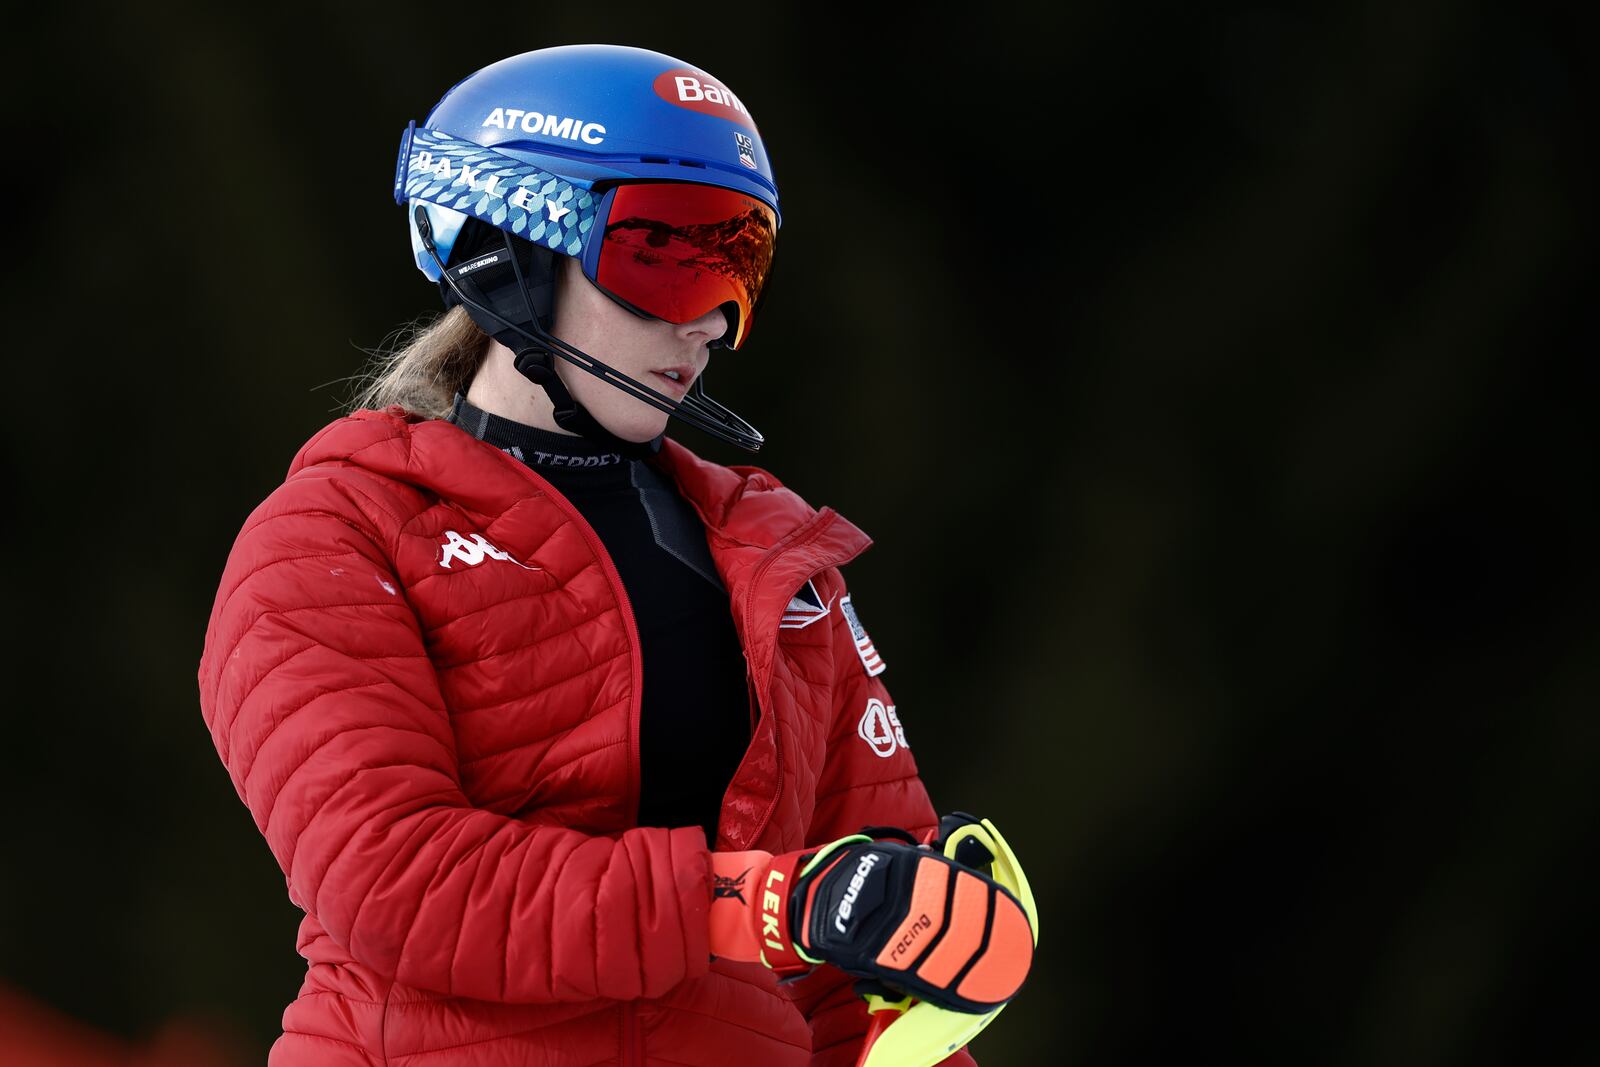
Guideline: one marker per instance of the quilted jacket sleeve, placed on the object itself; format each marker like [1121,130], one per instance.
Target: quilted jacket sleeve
[325,708]
[864,783]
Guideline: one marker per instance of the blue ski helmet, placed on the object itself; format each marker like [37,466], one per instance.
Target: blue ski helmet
[537,150]
[555,122]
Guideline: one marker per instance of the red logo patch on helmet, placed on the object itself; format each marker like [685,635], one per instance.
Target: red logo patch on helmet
[698,91]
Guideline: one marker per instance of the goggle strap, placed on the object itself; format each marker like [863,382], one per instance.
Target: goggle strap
[508,193]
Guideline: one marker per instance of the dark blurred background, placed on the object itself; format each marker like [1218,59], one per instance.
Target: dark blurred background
[1216,381]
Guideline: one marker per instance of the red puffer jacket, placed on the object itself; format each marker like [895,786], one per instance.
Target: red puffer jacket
[423,677]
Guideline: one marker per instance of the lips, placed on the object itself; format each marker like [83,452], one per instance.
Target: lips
[685,372]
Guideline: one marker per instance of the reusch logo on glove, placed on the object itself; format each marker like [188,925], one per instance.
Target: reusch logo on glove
[853,890]
[697,91]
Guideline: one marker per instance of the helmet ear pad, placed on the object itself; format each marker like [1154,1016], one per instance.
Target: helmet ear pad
[539,269]
[503,301]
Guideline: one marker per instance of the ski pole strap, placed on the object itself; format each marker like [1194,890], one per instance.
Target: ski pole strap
[755,903]
[779,950]
[788,893]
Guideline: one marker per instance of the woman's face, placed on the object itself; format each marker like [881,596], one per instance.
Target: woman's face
[643,349]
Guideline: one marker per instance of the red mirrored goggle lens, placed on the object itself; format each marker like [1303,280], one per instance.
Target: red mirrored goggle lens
[676,251]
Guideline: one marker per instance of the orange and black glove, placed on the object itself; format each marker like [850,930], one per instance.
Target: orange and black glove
[898,914]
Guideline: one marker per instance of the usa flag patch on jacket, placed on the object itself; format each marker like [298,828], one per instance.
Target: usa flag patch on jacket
[869,655]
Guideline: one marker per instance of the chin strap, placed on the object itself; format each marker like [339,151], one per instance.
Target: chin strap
[497,299]
[538,365]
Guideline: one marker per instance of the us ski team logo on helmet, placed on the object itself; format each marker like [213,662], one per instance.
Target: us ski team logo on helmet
[747,149]
[698,91]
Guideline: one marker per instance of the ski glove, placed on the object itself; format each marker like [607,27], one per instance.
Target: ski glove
[898,914]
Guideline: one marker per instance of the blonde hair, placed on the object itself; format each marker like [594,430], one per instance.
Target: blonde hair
[425,366]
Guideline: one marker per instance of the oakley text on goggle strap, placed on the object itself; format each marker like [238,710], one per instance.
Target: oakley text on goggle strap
[499,189]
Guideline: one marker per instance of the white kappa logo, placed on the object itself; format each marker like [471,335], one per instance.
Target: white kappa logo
[880,728]
[473,551]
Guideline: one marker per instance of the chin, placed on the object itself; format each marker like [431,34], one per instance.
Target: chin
[641,431]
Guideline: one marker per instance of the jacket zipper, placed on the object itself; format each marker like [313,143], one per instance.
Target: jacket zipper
[632,1045]
[755,583]
[754,701]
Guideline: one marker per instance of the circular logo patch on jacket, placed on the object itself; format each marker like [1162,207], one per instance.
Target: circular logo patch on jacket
[880,728]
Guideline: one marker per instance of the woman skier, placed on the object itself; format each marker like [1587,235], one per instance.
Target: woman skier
[564,737]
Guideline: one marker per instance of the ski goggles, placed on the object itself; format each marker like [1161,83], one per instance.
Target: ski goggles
[677,250]
[671,250]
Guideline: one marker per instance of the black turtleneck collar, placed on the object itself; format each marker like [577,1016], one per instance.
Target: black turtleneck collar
[554,455]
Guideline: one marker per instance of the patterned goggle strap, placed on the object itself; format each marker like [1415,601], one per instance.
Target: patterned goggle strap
[499,189]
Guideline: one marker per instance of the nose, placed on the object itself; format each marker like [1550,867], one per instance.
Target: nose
[705,329]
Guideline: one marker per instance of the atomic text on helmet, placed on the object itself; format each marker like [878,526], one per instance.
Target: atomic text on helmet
[510,118]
